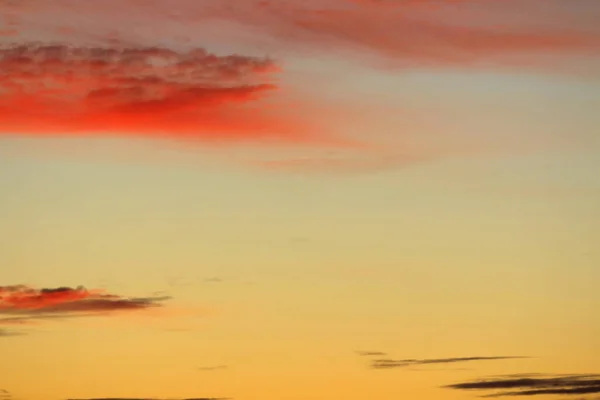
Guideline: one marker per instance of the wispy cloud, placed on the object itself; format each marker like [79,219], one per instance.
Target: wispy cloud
[390,363]
[20,304]
[425,34]
[213,368]
[371,353]
[534,384]
[8,333]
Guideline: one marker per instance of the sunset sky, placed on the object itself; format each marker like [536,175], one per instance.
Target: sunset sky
[299,199]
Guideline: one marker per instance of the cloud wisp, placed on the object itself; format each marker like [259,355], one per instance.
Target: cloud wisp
[534,385]
[371,353]
[213,368]
[20,304]
[390,363]
[9,333]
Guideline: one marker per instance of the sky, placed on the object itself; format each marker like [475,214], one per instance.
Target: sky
[300,199]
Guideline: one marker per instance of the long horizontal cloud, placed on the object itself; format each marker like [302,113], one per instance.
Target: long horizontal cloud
[389,363]
[21,304]
[409,33]
[370,353]
[534,384]
[140,91]
[417,33]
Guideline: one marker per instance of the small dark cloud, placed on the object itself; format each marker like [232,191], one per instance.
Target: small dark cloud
[213,280]
[389,363]
[371,353]
[534,385]
[23,305]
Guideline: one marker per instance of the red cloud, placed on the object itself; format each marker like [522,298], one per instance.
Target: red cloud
[33,303]
[147,91]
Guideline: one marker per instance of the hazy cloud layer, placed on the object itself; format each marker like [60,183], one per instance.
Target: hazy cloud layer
[135,81]
[389,363]
[534,384]
[540,34]
[428,34]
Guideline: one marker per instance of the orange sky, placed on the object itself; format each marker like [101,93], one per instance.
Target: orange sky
[333,199]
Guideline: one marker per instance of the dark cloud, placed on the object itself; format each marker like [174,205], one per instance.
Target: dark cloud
[389,363]
[20,304]
[534,384]
[370,353]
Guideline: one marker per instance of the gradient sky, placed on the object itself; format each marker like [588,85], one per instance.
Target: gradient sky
[319,199]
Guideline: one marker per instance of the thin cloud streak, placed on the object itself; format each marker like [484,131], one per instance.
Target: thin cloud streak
[214,368]
[371,353]
[390,363]
[534,385]
[9,333]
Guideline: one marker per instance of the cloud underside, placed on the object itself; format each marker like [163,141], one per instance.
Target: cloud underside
[22,305]
[390,363]
[534,385]
[140,91]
